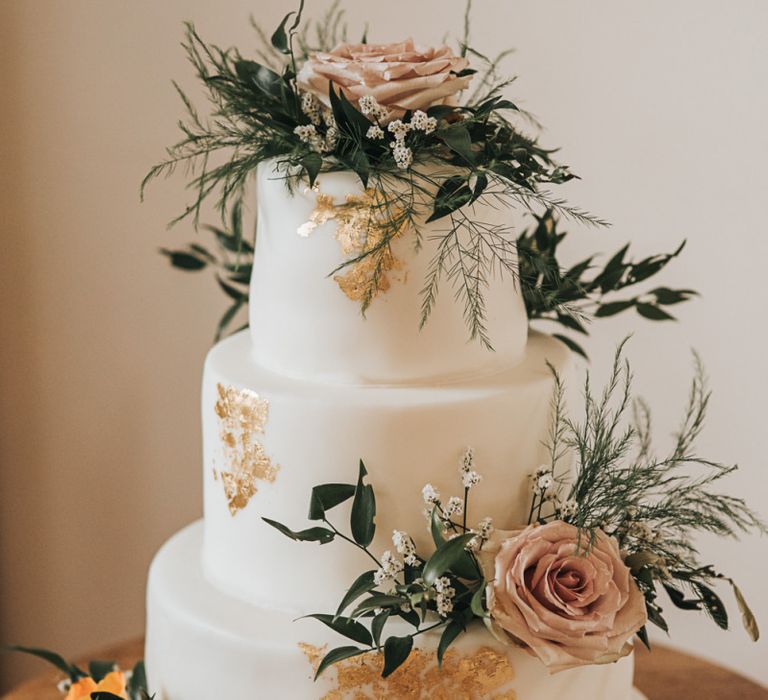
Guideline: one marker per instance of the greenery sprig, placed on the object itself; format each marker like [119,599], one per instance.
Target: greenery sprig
[477,152]
[653,506]
[136,686]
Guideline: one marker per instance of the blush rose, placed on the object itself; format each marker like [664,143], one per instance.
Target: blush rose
[568,603]
[400,76]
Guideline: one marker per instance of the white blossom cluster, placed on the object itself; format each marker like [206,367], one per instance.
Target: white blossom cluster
[469,477]
[399,129]
[569,508]
[391,566]
[318,116]
[543,483]
[430,495]
[405,546]
[454,506]
[445,595]
[482,533]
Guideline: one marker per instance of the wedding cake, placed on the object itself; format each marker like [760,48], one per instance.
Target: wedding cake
[468,535]
[297,400]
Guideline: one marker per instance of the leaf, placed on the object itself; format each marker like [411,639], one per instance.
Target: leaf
[396,651]
[312,162]
[328,496]
[346,626]
[338,654]
[654,313]
[362,584]
[137,684]
[570,322]
[444,557]
[280,37]
[52,658]
[105,695]
[363,510]
[654,615]
[571,344]
[642,635]
[226,319]
[377,626]
[231,291]
[712,604]
[452,630]
[265,79]
[476,604]
[436,527]
[747,617]
[679,600]
[457,138]
[377,600]
[183,260]
[98,669]
[667,296]
[613,308]
[313,534]
[452,194]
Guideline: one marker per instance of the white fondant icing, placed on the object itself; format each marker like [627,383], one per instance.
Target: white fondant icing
[406,435]
[304,326]
[203,644]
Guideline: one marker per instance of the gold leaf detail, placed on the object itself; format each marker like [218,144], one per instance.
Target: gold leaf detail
[366,226]
[242,417]
[486,673]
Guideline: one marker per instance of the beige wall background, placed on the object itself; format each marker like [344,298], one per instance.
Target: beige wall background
[661,107]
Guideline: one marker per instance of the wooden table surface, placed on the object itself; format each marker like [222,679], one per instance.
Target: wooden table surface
[664,675]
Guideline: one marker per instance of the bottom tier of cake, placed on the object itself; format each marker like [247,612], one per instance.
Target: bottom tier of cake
[205,645]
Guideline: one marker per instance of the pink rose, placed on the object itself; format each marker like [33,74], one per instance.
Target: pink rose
[400,76]
[568,607]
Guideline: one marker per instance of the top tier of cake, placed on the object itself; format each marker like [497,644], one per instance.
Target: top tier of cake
[308,326]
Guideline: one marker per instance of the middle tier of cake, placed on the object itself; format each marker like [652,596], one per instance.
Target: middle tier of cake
[268,440]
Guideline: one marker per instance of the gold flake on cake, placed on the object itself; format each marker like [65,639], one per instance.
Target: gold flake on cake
[367,224]
[486,673]
[242,416]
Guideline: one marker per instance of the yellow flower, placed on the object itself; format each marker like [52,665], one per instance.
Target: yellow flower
[113,682]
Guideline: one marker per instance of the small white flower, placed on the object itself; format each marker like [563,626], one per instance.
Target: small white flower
[391,566]
[545,482]
[310,105]
[445,595]
[470,479]
[632,512]
[641,531]
[306,132]
[467,462]
[542,470]
[369,104]
[569,508]
[399,128]
[455,506]
[430,495]
[405,546]
[482,533]
[375,132]
[403,156]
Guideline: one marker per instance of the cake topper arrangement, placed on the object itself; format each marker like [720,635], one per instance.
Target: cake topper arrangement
[429,133]
[611,527]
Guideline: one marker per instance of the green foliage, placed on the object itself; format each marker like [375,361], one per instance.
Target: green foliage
[71,670]
[574,296]
[255,108]
[654,506]
[400,597]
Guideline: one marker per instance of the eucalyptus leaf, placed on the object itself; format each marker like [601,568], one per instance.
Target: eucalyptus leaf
[377,600]
[457,138]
